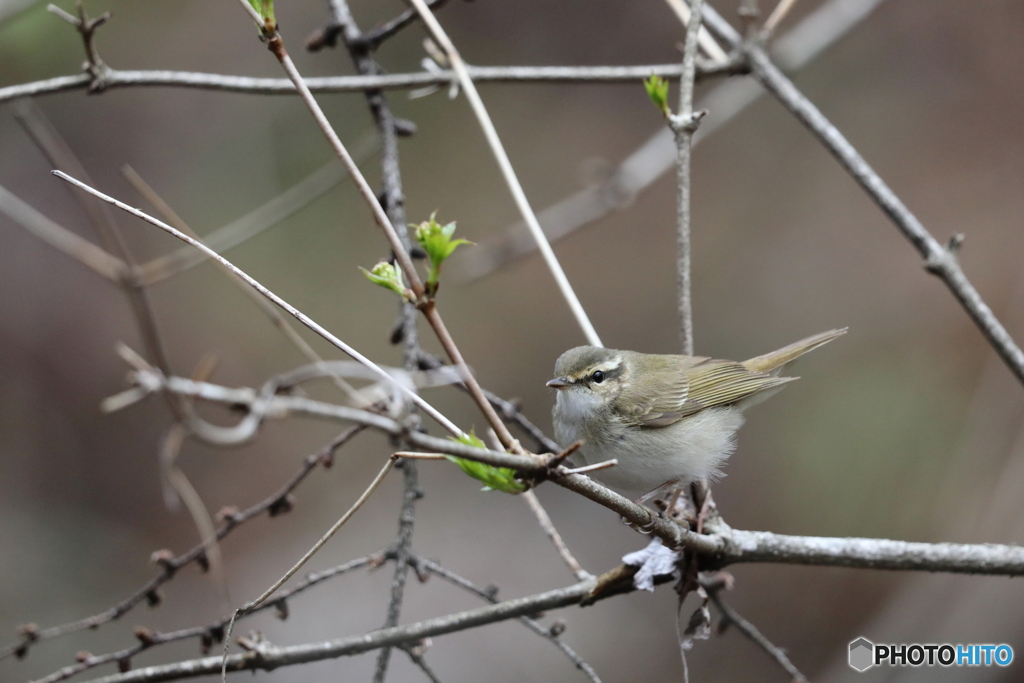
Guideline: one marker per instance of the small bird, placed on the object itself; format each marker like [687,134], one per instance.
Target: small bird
[667,419]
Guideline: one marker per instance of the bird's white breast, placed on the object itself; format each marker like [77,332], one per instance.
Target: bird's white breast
[693,448]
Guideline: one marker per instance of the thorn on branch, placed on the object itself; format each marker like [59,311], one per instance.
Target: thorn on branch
[557,460]
[947,258]
[164,558]
[282,505]
[203,560]
[681,123]
[326,36]
[29,631]
[144,635]
[87,26]
[229,514]
[404,128]
[153,598]
[422,573]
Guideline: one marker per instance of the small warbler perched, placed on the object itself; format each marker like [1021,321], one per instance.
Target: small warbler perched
[667,419]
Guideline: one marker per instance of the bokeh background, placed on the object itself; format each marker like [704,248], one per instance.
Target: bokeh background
[908,427]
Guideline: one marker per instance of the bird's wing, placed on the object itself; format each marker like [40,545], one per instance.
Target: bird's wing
[684,385]
[661,396]
[723,382]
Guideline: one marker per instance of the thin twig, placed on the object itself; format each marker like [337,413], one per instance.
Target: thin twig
[796,48]
[60,238]
[684,125]
[403,549]
[393,200]
[421,662]
[707,41]
[115,78]
[777,15]
[490,595]
[323,539]
[267,657]
[424,303]
[484,119]
[732,617]
[256,221]
[556,538]
[60,155]
[276,319]
[213,632]
[170,566]
[940,260]
[299,315]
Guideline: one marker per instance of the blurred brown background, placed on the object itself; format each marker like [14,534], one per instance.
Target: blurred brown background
[906,428]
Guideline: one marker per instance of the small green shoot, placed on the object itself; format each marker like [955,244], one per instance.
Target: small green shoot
[657,90]
[437,242]
[494,478]
[265,8]
[388,276]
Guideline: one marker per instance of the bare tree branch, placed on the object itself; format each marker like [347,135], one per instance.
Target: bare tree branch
[732,617]
[214,631]
[277,503]
[939,260]
[804,42]
[490,594]
[268,657]
[115,78]
[509,174]
[684,124]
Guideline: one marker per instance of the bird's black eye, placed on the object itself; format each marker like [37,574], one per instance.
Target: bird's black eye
[597,377]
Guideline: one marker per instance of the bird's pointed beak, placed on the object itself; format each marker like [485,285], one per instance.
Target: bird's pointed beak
[558,383]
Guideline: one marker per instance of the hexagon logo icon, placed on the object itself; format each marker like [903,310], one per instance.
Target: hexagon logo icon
[862,654]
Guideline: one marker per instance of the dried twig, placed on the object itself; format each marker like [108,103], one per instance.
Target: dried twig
[484,119]
[213,632]
[170,565]
[299,315]
[940,260]
[263,656]
[556,538]
[805,41]
[115,78]
[684,125]
[732,617]
[490,595]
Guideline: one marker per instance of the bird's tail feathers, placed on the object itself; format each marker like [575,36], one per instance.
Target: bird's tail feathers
[775,360]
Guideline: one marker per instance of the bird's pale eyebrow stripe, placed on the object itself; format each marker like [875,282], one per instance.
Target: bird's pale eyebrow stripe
[611,368]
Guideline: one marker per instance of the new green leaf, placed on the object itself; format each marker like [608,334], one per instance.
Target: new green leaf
[493,478]
[436,240]
[265,8]
[657,90]
[387,275]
